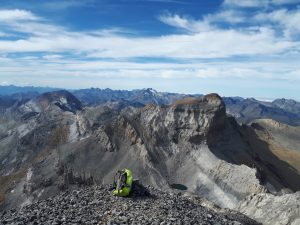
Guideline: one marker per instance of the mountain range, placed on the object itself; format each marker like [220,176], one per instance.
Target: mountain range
[235,153]
[244,110]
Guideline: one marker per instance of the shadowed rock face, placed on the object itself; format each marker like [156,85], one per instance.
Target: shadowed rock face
[191,143]
[63,99]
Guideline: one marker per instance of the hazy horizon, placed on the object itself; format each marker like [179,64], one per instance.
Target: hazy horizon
[265,99]
[245,48]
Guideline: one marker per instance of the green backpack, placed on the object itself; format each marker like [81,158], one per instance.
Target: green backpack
[122,182]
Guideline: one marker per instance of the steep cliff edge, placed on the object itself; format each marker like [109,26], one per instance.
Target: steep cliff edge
[183,144]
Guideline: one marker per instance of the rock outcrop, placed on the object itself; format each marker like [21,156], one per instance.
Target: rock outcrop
[273,210]
[179,139]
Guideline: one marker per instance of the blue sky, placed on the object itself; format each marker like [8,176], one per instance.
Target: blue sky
[248,48]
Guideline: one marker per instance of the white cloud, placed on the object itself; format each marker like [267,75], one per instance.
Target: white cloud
[231,16]
[284,2]
[246,3]
[215,43]
[16,15]
[185,23]
[257,3]
[288,19]
[4,83]
[52,57]
[206,24]
[71,68]
[2,34]
[202,40]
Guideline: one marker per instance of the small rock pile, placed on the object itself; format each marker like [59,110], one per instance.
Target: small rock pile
[96,205]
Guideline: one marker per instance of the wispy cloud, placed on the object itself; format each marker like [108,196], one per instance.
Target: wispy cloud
[57,65]
[246,3]
[52,57]
[3,34]
[184,22]
[16,15]
[284,2]
[257,3]
[288,20]
[211,42]
[226,16]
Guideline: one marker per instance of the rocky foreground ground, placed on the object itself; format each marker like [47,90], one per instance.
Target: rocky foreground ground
[96,205]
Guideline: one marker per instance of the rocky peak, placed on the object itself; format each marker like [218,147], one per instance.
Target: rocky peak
[211,101]
[150,90]
[190,118]
[198,115]
[214,98]
[284,101]
[186,136]
[289,105]
[62,99]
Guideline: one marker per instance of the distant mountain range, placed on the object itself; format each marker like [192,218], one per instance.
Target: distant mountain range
[244,110]
[12,89]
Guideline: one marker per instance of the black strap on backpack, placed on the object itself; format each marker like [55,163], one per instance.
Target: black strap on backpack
[120,180]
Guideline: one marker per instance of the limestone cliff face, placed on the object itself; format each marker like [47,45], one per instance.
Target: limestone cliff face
[188,120]
[177,140]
